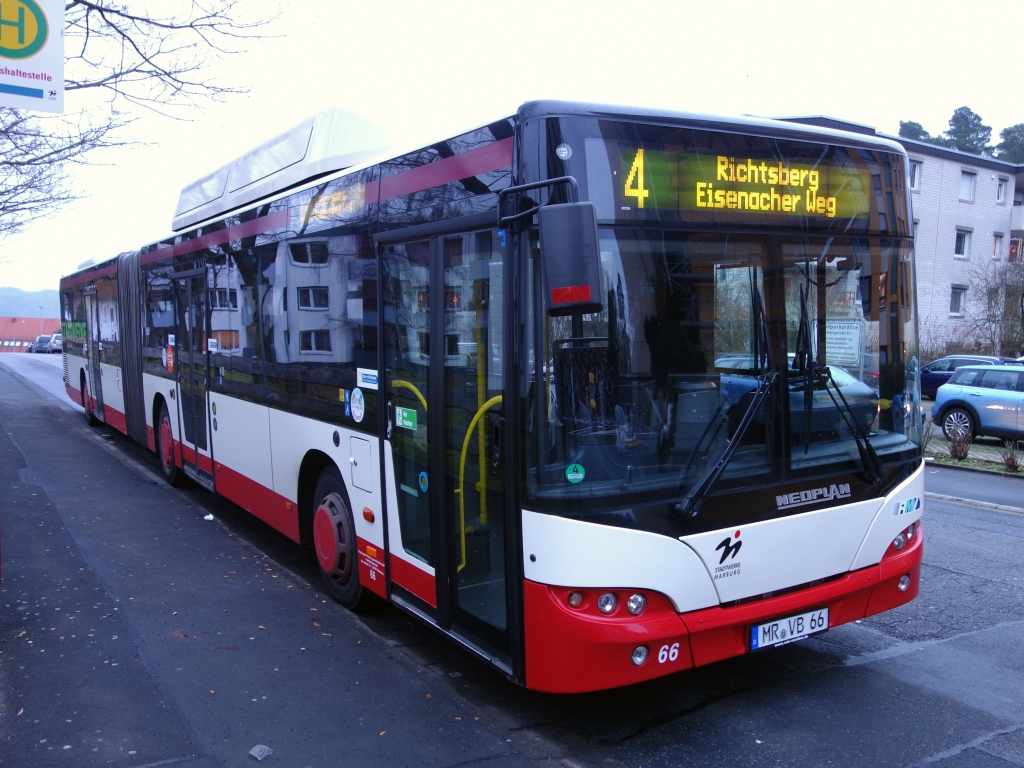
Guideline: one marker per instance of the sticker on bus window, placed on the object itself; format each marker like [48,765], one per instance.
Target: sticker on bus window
[366,378]
[575,473]
[358,405]
[405,418]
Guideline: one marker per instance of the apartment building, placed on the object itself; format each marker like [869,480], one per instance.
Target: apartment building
[968,225]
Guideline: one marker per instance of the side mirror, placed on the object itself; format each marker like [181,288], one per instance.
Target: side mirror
[570,257]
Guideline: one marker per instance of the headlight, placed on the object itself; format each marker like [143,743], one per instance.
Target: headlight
[575,600]
[636,604]
[899,542]
[606,603]
[639,655]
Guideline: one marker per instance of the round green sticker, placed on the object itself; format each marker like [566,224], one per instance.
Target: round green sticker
[575,473]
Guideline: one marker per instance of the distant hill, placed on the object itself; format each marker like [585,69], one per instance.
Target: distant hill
[15,302]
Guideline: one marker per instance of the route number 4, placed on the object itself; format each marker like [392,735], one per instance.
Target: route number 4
[635,180]
[668,653]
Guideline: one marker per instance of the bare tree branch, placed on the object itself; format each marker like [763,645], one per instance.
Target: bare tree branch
[128,53]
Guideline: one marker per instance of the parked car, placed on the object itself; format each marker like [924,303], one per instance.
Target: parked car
[41,344]
[937,372]
[56,343]
[982,400]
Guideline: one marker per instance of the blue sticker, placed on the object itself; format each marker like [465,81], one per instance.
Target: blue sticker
[348,409]
[424,483]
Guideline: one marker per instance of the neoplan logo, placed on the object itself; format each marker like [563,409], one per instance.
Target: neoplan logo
[728,548]
[23,28]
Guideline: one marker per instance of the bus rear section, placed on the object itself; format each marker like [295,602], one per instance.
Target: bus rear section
[713,466]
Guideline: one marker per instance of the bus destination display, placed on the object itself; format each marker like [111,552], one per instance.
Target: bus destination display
[689,182]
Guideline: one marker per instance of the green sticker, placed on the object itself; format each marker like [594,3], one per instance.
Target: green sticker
[405,418]
[575,473]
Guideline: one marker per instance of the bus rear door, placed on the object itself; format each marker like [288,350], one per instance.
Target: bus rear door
[192,367]
[94,375]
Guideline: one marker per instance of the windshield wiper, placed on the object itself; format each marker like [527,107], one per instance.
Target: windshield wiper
[691,503]
[821,374]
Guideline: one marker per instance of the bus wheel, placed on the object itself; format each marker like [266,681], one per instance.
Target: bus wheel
[334,540]
[90,419]
[165,448]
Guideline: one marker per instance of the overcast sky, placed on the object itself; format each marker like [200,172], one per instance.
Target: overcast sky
[423,70]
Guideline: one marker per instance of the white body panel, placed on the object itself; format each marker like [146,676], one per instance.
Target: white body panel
[113,392]
[572,553]
[774,554]
[241,440]
[887,524]
[293,436]
[156,385]
[784,552]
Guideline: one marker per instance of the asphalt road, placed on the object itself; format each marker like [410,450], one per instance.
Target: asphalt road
[134,632]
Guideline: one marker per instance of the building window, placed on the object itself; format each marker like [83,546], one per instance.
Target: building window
[315,341]
[997,246]
[1001,187]
[967,186]
[308,253]
[224,298]
[962,246]
[313,297]
[915,175]
[956,300]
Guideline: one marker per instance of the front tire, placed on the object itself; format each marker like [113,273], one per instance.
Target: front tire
[334,540]
[957,423]
[165,448]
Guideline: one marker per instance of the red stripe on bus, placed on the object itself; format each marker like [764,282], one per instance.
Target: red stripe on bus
[89,275]
[254,498]
[496,155]
[417,581]
[275,220]
[115,418]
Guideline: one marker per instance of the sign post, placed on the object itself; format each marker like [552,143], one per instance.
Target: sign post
[32,55]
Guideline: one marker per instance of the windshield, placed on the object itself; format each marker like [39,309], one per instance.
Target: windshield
[635,403]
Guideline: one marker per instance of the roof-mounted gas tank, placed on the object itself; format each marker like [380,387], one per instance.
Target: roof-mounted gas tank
[332,140]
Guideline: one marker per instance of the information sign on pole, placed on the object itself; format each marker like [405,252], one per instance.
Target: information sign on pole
[32,55]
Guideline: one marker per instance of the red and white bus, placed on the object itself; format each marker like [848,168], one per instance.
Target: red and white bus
[601,393]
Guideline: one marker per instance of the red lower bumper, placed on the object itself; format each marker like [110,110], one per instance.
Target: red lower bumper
[576,650]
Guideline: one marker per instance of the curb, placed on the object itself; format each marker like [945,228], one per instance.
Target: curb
[974,503]
[978,470]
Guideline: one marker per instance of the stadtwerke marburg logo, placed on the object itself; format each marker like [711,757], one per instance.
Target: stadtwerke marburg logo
[23,29]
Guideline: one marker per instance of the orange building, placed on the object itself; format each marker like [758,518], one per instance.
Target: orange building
[17,332]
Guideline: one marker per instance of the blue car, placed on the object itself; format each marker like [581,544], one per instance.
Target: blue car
[938,372]
[982,400]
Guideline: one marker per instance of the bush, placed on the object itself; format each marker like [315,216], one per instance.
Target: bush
[959,445]
[926,433]
[1012,455]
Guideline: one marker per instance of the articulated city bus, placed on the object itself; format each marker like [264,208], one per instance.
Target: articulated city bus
[601,393]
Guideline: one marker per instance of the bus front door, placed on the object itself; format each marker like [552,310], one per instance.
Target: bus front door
[93,356]
[443,385]
[191,365]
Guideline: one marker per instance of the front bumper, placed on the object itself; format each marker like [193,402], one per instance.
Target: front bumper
[576,650]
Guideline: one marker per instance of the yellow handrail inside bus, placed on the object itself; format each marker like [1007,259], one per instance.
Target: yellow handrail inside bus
[402,384]
[462,474]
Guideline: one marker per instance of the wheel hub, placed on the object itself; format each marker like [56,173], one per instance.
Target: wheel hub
[333,539]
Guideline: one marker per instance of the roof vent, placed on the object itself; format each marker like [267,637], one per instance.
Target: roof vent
[332,140]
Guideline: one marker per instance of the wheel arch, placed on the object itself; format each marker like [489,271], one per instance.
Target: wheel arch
[964,406]
[312,466]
